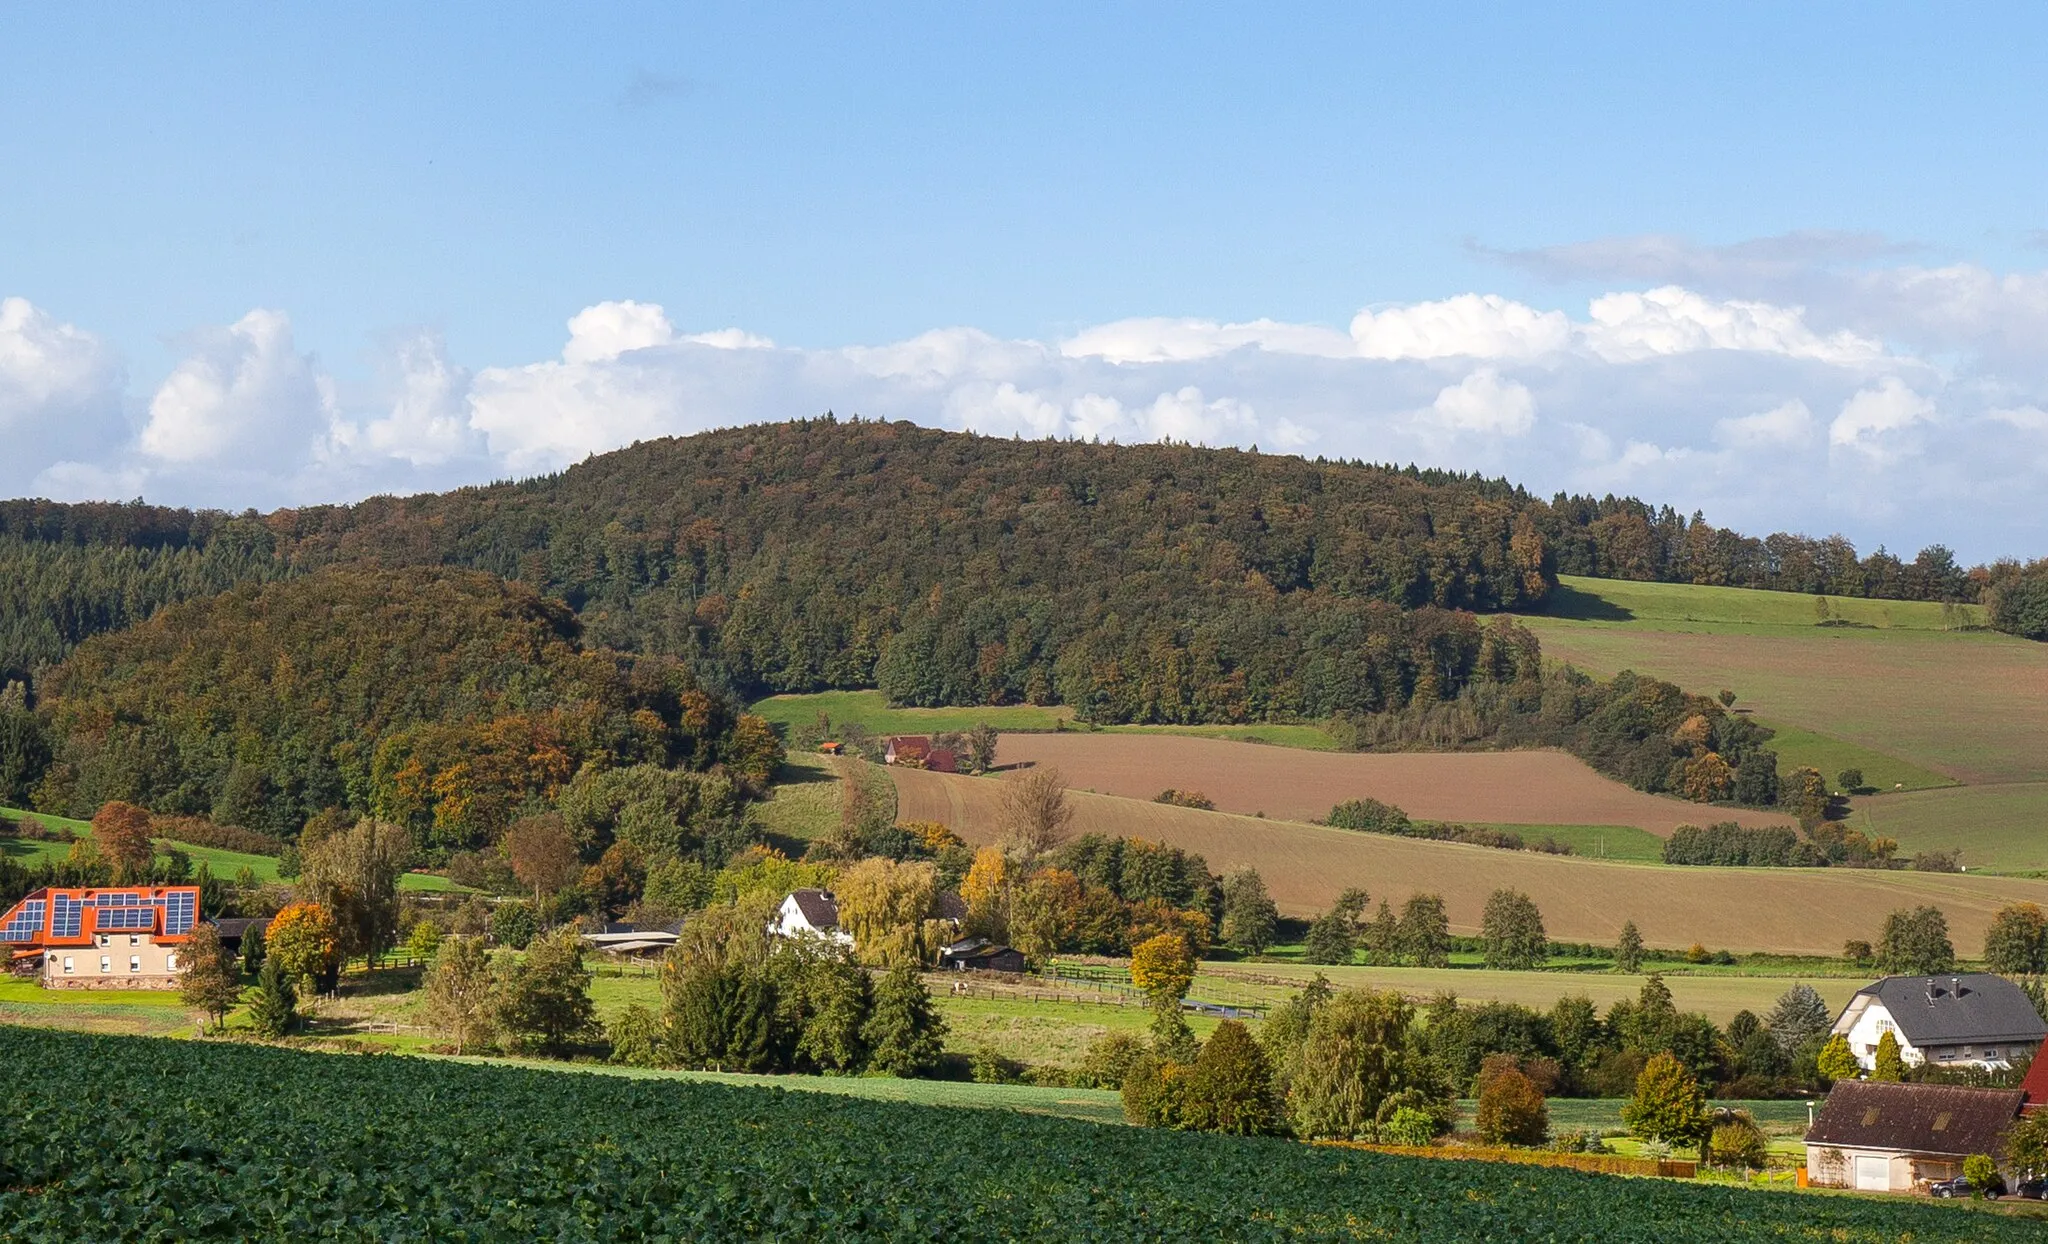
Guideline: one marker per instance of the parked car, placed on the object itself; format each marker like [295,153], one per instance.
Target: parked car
[2032,1188]
[1960,1186]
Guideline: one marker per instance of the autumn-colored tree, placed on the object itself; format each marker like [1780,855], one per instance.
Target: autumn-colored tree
[1708,778]
[932,836]
[461,995]
[1888,1064]
[207,979]
[1695,732]
[423,942]
[303,942]
[1511,1110]
[753,753]
[354,876]
[985,890]
[891,910]
[1035,813]
[981,747]
[542,853]
[1164,968]
[1154,916]
[1669,1105]
[121,831]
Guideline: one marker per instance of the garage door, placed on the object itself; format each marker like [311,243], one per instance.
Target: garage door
[1873,1174]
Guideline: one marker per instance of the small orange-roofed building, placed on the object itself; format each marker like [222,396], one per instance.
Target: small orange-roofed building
[112,937]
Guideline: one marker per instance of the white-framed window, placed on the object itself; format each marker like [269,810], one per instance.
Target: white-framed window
[106,963]
[135,963]
[70,965]
[105,940]
[171,962]
[135,939]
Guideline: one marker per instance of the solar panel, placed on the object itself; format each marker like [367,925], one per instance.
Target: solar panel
[26,923]
[70,916]
[180,913]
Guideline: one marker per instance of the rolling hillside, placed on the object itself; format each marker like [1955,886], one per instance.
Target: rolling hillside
[1514,787]
[1884,688]
[1801,911]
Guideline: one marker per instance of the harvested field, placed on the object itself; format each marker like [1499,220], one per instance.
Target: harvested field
[1794,911]
[1517,788]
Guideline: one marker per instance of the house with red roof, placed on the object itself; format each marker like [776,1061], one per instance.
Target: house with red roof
[113,937]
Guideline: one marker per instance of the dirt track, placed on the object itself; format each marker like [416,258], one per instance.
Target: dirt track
[1511,788]
[1803,911]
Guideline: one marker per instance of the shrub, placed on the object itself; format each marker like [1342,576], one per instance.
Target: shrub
[1511,1110]
[636,1038]
[1186,799]
[1981,1171]
[1370,816]
[990,1067]
[1739,1142]
[199,832]
[1109,1060]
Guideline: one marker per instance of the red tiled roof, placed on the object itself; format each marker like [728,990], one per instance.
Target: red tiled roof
[73,916]
[2035,1085]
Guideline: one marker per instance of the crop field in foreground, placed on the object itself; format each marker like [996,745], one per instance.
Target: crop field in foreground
[143,1139]
[1809,911]
[1521,787]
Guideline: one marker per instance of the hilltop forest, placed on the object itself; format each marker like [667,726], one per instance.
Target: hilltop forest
[369,656]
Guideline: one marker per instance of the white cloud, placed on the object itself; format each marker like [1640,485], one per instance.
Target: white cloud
[60,392]
[1789,423]
[244,394]
[1483,402]
[610,329]
[1672,320]
[1161,340]
[427,423]
[1872,414]
[1476,325]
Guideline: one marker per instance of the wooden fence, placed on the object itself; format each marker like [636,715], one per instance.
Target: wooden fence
[1601,1163]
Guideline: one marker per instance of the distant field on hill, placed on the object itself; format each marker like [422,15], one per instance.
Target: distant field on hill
[1795,911]
[1524,787]
[1969,705]
[1909,703]
[1717,997]
[871,711]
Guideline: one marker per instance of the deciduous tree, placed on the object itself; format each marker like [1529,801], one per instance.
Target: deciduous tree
[354,876]
[890,910]
[121,831]
[1425,931]
[461,994]
[1916,943]
[1628,950]
[1669,1105]
[543,997]
[302,941]
[543,854]
[985,890]
[1511,929]
[1511,1110]
[2017,942]
[1035,813]
[1249,913]
[207,978]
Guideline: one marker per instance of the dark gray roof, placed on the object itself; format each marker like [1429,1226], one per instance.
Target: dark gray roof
[1963,1008]
[818,907]
[1916,1118]
[239,926]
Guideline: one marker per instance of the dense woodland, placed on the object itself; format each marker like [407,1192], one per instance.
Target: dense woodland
[1138,583]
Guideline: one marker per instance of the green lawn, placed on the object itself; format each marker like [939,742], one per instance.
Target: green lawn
[804,804]
[1603,1114]
[1796,747]
[1601,842]
[870,709]
[76,827]
[1649,604]
[21,991]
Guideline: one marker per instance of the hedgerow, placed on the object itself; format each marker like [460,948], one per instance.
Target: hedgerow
[139,1139]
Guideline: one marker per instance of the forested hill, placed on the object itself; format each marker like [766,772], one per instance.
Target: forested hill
[446,700]
[1144,582]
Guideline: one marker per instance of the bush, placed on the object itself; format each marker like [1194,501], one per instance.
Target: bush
[513,925]
[988,1066]
[636,1038]
[1739,1142]
[1981,1171]
[1186,799]
[1370,816]
[199,832]
[1511,1110]
[1109,1060]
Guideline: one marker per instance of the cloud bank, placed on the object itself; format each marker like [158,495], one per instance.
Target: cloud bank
[1812,383]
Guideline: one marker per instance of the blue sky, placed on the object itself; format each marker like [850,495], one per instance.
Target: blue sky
[257,256]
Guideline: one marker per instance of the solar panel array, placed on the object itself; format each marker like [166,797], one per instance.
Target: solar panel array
[27,922]
[131,919]
[181,912]
[69,917]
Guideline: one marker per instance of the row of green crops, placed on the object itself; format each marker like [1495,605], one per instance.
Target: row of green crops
[139,1139]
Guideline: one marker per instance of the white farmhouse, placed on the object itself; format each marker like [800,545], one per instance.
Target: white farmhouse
[810,913]
[1973,1018]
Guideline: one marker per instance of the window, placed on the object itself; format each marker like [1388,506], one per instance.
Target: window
[1991,1051]
[135,963]
[1947,1054]
[70,965]
[171,962]
[106,963]
[134,940]
[105,940]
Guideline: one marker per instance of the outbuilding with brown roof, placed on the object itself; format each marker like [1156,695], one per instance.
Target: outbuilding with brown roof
[1884,1137]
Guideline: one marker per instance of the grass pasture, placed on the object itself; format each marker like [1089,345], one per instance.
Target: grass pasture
[1596,842]
[1526,788]
[871,710]
[1788,910]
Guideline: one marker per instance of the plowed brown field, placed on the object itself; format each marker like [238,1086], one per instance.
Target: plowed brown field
[1797,911]
[1503,788]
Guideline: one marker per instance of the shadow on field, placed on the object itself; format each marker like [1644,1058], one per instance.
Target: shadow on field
[1567,602]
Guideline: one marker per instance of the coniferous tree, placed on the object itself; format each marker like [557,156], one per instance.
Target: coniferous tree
[252,950]
[1888,1064]
[273,1008]
[905,1035]
[1628,950]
